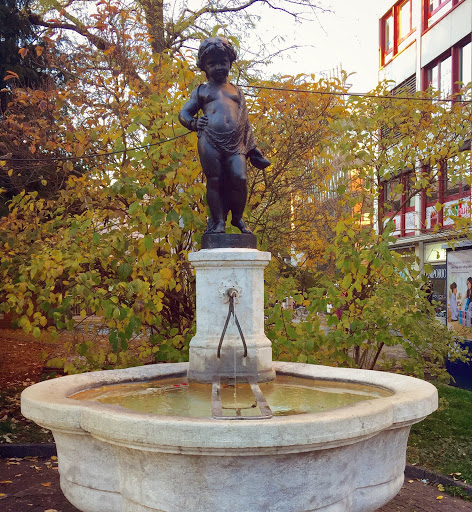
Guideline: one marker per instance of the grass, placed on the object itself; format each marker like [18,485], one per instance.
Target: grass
[458,492]
[443,441]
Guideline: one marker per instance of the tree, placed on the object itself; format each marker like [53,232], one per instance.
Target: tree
[388,138]
[112,238]
[293,119]
[376,297]
[114,46]
[171,30]
[113,243]
[17,33]
[30,80]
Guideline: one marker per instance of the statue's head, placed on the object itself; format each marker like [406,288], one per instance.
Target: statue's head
[215,46]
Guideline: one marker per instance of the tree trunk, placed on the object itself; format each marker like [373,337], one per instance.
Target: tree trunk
[154,10]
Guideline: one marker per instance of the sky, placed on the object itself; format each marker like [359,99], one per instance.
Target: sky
[347,38]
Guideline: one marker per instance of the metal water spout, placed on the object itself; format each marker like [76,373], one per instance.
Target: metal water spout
[232,294]
[260,400]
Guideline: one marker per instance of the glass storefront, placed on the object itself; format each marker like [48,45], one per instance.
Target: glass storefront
[435,255]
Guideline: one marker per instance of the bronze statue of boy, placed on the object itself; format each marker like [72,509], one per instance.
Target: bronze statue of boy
[225,136]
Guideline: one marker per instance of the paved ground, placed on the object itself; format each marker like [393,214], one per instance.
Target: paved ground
[417,496]
[32,485]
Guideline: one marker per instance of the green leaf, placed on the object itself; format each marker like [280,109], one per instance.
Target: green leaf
[157,219]
[172,216]
[148,242]
[134,207]
[124,271]
[113,339]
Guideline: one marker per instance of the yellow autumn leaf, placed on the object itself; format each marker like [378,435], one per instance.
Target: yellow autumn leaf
[440,497]
[166,273]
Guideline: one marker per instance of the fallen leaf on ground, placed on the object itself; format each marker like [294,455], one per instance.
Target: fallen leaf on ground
[440,497]
[6,482]
[46,484]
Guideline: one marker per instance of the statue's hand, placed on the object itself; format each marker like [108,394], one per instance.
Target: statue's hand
[202,122]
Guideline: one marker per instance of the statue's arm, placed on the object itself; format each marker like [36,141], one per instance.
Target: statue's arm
[187,114]
[253,152]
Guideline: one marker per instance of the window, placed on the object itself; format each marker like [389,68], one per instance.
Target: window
[453,185]
[445,77]
[465,64]
[445,73]
[439,77]
[436,9]
[388,34]
[449,190]
[393,195]
[433,5]
[396,27]
[398,203]
[405,24]
[433,189]
[411,190]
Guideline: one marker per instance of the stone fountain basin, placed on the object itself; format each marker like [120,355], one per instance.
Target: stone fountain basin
[113,459]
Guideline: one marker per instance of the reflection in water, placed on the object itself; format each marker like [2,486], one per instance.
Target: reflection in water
[285,395]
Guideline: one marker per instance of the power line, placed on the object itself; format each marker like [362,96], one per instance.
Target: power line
[356,94]
[92,155]
[260,87]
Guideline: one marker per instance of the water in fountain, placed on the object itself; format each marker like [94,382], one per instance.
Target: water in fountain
[286,396]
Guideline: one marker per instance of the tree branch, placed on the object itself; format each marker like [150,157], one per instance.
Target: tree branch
[99,42]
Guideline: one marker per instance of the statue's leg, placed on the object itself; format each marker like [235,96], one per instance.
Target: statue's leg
[237,177]
[210,160]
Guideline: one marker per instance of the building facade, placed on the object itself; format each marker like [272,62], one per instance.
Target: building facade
[425,43]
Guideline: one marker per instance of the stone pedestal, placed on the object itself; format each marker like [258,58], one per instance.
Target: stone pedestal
[217,271]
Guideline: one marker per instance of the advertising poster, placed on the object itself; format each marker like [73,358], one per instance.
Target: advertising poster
[459,292]
[438,284]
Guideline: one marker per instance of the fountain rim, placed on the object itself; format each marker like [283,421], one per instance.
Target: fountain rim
[48,404]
